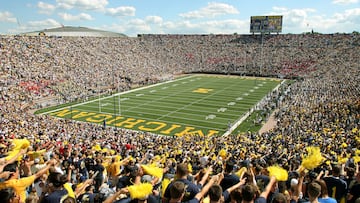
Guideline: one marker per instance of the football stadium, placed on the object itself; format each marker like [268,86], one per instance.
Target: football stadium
[95,116]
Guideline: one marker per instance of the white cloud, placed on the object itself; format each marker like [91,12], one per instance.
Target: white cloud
[347,21]
[307,19]
[131,27]
[121,11]
[35,25]
[294,20]
[45,8]
[211,10]
[154,19]
[345,2]
[83,4]
[156,25]
[229,26]
[48,23]
[81,16]
[7,17]
[349,16]
[139,25]
[64,6]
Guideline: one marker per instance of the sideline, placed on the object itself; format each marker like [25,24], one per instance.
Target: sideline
[247,114]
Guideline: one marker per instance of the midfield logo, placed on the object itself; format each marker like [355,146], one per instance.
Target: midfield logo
[202,90]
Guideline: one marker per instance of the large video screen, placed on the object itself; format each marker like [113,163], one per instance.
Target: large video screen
[265,24]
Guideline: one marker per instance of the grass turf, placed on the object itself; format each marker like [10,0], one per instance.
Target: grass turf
[196,104]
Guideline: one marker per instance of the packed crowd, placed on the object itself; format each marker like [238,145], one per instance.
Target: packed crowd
[47,160]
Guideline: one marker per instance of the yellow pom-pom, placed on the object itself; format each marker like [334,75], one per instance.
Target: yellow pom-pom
[241,171]
[104,150]
[21,144]
[344,145]
[157,158]
[279,173]
[69,190]
[342,160]
[313,158]
[354,130]
[206,200]
[356,159]
[96,147]
[165,182]
[118,158]
[152,170]
[17,144]
[190,169]
[140,191]
[222,153]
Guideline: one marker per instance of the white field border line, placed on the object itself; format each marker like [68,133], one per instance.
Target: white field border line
[197,101]
[241,119]
[120,93]
[167,122]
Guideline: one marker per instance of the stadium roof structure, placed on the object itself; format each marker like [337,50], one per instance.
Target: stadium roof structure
[74,32]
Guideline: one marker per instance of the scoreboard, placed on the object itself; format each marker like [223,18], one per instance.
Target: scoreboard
[266,24]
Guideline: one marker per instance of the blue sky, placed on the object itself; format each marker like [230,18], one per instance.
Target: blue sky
[133,17]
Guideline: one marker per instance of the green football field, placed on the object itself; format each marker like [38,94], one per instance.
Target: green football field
[194,104]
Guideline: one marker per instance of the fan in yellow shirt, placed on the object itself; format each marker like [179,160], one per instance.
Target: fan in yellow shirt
[113,169]
[20,185]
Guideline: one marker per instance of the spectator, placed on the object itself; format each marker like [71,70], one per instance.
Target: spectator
[20,185]
[229,179]
[336,184]
[182,173]
[8,195]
